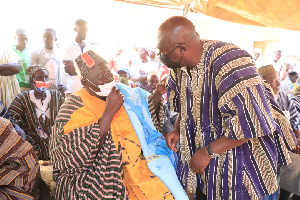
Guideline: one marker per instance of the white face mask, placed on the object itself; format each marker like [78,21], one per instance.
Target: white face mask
[104,89]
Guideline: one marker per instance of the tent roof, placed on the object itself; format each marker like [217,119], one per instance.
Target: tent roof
[268,13]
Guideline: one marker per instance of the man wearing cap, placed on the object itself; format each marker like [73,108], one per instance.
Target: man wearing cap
[289,84]
[104,144]
[290,174]
[35,110]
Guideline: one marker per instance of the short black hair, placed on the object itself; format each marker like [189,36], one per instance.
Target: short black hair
[50,30]
[80,22]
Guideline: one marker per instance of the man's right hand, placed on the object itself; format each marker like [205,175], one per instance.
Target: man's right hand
[69,67]
[114,101]
[172,138]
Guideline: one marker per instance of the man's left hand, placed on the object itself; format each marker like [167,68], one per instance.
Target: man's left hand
[200,160]
[161,87]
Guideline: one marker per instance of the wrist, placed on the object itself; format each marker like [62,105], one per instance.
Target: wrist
[211,154]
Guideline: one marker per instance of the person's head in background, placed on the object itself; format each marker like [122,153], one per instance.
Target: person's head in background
[39,80]
[293,76]
[257,53]
[124,76]
[270,76]
[21,39]
[49,38]
[153,80]
[277,56]
[143,52]
[81,29]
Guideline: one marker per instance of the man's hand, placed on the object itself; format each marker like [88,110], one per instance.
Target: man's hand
[161,87]
[69,67]
[62,88]
[172,138]
[200,160]
[114,102]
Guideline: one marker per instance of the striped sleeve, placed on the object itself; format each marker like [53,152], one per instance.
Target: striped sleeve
[243,103]
[18,162]
[173,97]
[157,119]
[77,149]
[294,116]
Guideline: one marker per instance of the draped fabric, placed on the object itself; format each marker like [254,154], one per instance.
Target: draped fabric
[268,13]
[18,164]
[225,96]
[118,170]
[37,130]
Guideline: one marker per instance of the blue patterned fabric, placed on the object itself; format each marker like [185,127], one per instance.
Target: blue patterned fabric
[160,159]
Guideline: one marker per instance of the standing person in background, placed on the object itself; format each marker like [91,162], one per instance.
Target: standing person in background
[10,65]
[71,52]
[231,137]
[276,61]
[49,57]
[22,51]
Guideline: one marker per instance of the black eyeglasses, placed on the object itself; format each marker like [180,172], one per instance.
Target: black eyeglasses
[159,53]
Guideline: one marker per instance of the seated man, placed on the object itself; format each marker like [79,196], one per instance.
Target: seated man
[35,111]
[106,147]
[18,164]
[290,174]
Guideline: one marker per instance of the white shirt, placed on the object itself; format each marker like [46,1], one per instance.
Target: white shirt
[71,52]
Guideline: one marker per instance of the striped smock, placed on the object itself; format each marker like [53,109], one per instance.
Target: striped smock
[225,96]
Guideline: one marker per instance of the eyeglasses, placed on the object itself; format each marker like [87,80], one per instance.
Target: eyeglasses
[159,53]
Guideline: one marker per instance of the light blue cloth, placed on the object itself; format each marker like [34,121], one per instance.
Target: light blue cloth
[160,159]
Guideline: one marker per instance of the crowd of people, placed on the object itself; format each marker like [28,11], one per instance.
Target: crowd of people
[188,119]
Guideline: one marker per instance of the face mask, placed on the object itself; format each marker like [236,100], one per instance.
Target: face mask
[165,59]
[123,80]
[104,89]
[42,86]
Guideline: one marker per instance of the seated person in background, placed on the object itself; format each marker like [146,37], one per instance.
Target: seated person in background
[153,80]
[18,163]
[289,84]
[35,111]
[10,65]
[118,154]
[124,77]
[289,174]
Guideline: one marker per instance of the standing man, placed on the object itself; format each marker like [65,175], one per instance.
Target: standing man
[10,65]
[231,138]
[22,51]
[71,52]
[49,58]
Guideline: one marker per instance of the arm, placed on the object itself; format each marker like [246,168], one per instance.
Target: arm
[10,69]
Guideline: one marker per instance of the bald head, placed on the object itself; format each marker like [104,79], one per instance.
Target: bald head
[177,29]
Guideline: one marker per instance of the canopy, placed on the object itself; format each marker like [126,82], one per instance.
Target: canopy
[267,13]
